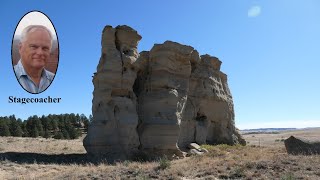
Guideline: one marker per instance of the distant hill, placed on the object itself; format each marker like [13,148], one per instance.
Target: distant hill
[271,130]
[266,130]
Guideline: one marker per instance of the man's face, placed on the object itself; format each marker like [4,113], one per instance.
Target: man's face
[35,50]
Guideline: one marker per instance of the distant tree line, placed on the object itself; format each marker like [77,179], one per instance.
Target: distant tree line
[63,126]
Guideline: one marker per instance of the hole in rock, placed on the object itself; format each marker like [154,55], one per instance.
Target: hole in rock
[126,51]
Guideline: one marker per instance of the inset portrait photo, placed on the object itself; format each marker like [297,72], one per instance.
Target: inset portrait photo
[35,52]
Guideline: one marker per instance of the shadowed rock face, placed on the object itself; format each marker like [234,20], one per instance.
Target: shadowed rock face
[297,146]
[159,100]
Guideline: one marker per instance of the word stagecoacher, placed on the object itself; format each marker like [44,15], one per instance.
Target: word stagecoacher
[13,99]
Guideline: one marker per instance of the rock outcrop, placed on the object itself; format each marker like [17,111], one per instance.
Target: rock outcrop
[209,114]
[115,119]
[157,101]
[298,146]
[163,85]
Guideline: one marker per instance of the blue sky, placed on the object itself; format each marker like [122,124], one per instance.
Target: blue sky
[269,49]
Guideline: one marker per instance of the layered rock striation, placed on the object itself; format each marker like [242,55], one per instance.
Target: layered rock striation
[159,100]
[115,118]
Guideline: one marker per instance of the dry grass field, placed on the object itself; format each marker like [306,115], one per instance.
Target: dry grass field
[38,158]
[276,139]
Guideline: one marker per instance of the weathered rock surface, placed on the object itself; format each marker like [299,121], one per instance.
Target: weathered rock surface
[159,100]
[298,146]
[209,114]
[115,119]
[162,94]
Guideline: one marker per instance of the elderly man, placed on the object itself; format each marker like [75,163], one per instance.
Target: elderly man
[34,48]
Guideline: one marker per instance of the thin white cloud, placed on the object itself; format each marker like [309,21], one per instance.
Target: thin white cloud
[254,11]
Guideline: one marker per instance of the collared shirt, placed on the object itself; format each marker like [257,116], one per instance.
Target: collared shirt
[26,81]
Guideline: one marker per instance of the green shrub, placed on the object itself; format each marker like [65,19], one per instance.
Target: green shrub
[164,163]
[238,172]
[288,176]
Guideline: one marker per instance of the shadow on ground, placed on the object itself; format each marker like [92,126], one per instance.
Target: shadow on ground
[111,158]
[31,158]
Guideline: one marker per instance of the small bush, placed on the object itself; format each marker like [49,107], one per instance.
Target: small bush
[279,140]
[126,163]
[288,176]
[249,165]
[142,177]
[238,172]
[262,165]
[164,163]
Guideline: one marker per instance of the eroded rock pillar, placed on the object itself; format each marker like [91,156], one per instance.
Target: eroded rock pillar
[163,96]
[115,119]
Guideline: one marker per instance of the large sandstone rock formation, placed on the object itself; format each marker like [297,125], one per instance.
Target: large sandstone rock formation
[159,100]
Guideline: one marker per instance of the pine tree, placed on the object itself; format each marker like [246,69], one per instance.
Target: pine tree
[18,132]
[58,135]
[73,132]
[29,127]
[90,118]
[15,128]
[19,121]
[12,118]
[34,132]
[20,124]
[54,124]
[4,129]
[77,120]
[61,123]
[86,125]
[63,126]
[45,121]
[83,119]
[65,134]
[38,125]
[47,133]
[24,129]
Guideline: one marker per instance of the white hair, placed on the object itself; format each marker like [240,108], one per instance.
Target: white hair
[32,28]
